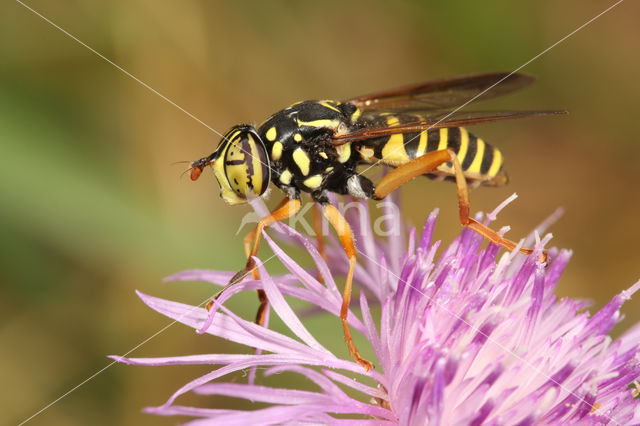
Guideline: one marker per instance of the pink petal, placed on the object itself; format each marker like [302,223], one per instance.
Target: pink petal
[318,260]
[284,311]
[229,326]
[319,379]
[266,394]
[310,282]
[215,277]
[184,360]
[371,332]
[240,365]
[354,384]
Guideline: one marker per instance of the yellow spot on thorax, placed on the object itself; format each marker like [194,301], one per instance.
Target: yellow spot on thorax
[276,151]
[302,160]
[329,104]
[313,182]
[271,134]
[297,137]
[596,405]
[285,177]
[356,114]
[366,153]
[323,155]
[392,121]
[331,124]
[344,152]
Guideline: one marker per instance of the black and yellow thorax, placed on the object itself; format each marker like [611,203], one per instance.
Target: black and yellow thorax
[297,140]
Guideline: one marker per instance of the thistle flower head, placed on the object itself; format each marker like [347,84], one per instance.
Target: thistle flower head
[463,337]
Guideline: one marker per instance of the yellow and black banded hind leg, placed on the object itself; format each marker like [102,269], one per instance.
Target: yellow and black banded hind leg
[428,163]
[286,209]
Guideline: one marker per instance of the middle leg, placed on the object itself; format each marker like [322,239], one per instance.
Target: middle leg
[346,239]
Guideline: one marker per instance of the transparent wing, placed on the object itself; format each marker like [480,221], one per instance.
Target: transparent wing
[376,124]
[443,94]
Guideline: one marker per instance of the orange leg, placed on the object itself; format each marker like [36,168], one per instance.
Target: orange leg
[255,274]
[430,162]
[317,228]
[285,210]
[346,238]
[251,236]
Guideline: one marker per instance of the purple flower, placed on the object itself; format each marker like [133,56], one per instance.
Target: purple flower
[464,337]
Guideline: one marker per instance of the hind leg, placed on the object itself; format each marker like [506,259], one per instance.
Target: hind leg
[428,163]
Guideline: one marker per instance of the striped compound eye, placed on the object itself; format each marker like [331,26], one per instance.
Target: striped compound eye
[242,168]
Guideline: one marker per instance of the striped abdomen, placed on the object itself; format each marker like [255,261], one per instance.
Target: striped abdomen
[481,163]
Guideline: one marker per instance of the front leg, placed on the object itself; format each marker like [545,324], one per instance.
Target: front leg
[287,209]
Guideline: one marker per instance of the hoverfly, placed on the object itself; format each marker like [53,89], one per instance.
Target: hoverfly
[317,146]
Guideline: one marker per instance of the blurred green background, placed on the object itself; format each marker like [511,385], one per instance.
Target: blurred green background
[91,207]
